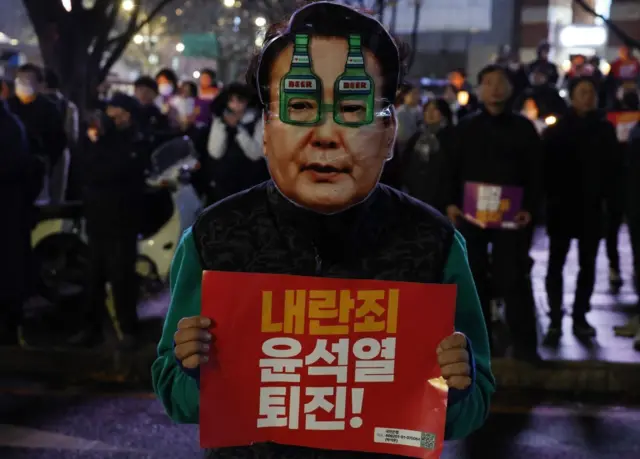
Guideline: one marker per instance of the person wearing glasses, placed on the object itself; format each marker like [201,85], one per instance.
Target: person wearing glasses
[327,81]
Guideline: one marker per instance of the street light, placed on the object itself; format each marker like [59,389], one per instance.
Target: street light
[196,74]
[229,3]
[138,39]
[180,47]
[261,22]
[128,5]
[66,4]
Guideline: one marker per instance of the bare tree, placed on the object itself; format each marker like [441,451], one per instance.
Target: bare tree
[631,42]
[83,44]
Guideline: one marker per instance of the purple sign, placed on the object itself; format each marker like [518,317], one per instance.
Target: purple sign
[492,206]
[203,111]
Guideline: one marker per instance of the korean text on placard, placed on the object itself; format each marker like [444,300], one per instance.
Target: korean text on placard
[334,318]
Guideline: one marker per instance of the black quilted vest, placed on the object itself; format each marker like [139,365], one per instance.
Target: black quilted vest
[390,236]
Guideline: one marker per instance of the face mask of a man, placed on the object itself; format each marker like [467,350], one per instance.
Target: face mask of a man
[24,90]
[165,89]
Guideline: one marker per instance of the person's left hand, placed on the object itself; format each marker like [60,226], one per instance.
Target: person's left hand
[453,358]
[523,218]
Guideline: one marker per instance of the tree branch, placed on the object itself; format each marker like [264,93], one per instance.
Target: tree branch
[626,39]
[122,44]
[102,41]
[150,17]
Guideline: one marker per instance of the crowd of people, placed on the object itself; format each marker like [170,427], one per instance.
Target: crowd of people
[578,173]
[579,178]
[105,160]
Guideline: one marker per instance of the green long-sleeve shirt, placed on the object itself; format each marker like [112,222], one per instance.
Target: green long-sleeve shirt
[179,391]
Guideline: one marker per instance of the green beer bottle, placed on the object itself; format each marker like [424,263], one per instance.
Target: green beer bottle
[300,84]
[354,84]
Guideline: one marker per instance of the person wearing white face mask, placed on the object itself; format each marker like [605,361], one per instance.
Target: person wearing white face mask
[41,118]
[167,87]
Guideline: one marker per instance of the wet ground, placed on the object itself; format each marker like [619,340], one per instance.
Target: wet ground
[134,426]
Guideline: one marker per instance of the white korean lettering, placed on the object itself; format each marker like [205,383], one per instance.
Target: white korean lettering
[282,368]
[320,352]
[319,401]
[370,370]
[273,406]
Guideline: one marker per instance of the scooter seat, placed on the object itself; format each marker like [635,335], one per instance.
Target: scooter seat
[61,210]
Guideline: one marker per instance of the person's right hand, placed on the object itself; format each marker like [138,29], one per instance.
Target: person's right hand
[453,213]
[193,341]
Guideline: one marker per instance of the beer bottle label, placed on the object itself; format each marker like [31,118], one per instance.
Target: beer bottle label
[354,86]
[300,84]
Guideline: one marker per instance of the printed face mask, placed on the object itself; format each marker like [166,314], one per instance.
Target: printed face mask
[301,91]
[329,129]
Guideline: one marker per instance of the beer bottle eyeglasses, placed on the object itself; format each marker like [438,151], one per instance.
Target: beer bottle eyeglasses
[301,101]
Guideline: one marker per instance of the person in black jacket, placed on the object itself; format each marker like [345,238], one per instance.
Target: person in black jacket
[114,180]
[633,217]
[496,148]
[543,65]
[581,153]
[41,118]
[425,156]
[20,182]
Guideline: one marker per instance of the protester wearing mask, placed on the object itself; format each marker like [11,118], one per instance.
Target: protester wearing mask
[425,156]
[235,143]
[167,87]
[323,214]
[114,181]
[498,148]
[41,118]
[20,182]
[581,156]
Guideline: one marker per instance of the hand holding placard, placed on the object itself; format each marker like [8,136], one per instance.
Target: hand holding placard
[193,341]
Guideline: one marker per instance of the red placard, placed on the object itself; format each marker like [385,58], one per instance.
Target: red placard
[624,122]
[337,364]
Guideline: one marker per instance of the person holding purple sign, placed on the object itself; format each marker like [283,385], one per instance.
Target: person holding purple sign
[494,189]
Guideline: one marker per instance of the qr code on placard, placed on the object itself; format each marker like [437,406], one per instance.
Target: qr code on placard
[428,441]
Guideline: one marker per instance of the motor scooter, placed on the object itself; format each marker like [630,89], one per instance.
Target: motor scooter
[59,238]
[173,206]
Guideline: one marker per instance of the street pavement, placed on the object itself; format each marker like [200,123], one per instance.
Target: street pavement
[607,309]
[46,425]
